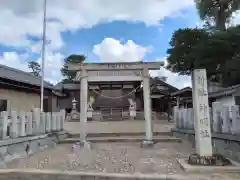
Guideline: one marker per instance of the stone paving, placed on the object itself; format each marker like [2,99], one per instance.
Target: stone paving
[117,158]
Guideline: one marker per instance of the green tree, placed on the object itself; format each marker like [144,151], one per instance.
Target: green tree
[185,50]
[36,68]
[217,12]
[216,52]
[69,75]
[230,68]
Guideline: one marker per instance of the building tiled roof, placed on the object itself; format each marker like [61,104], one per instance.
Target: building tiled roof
[155,82]
[21,76]
[224,92]
[186,89]
[228,91]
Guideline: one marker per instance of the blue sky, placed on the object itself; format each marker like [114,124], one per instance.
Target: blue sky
[156,37]
[108,31]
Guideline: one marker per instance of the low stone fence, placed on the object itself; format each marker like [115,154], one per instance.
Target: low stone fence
[223,119]
[20,124]
[23,133]
[22,146]
[225,128]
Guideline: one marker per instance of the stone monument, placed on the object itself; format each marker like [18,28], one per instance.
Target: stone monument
[201,113]
[202,124]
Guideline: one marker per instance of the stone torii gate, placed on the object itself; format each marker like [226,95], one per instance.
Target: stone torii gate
[109,72]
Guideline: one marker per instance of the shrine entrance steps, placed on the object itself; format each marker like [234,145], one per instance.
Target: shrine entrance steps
[121,131]
[118,134]
[123,138]
[118,127]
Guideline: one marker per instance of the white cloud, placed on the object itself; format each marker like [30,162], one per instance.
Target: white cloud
[12,59]
[54,62]
[172,78]
[111,50]
[20,20]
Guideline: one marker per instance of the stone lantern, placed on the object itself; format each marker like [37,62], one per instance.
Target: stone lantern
[74,103]
[74,109]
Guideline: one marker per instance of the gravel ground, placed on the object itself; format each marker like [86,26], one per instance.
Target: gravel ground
[115,158]
[109,157]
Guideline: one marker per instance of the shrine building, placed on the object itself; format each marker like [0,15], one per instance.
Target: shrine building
[109,91]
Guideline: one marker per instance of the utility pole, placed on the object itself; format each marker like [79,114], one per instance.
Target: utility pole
[43,53]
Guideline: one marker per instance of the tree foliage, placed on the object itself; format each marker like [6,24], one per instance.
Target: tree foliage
[217,52]
[217,12]
[215,48]
[230,68]
[74,58]
[36,68]
[185,50]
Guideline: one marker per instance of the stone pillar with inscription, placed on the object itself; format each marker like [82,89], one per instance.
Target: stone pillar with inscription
[147,108]
[83,105]
[201,113]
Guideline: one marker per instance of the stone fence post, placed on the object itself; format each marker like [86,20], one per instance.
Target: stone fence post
[216,112]
[185,119]
[62,112]
[22,119]
[235,128]
[29,123]
[4,124]
[175,108]
[36,120]
[48,122]
[53,121]
[42,124]
[226,120]
[58,116]
[14,121]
